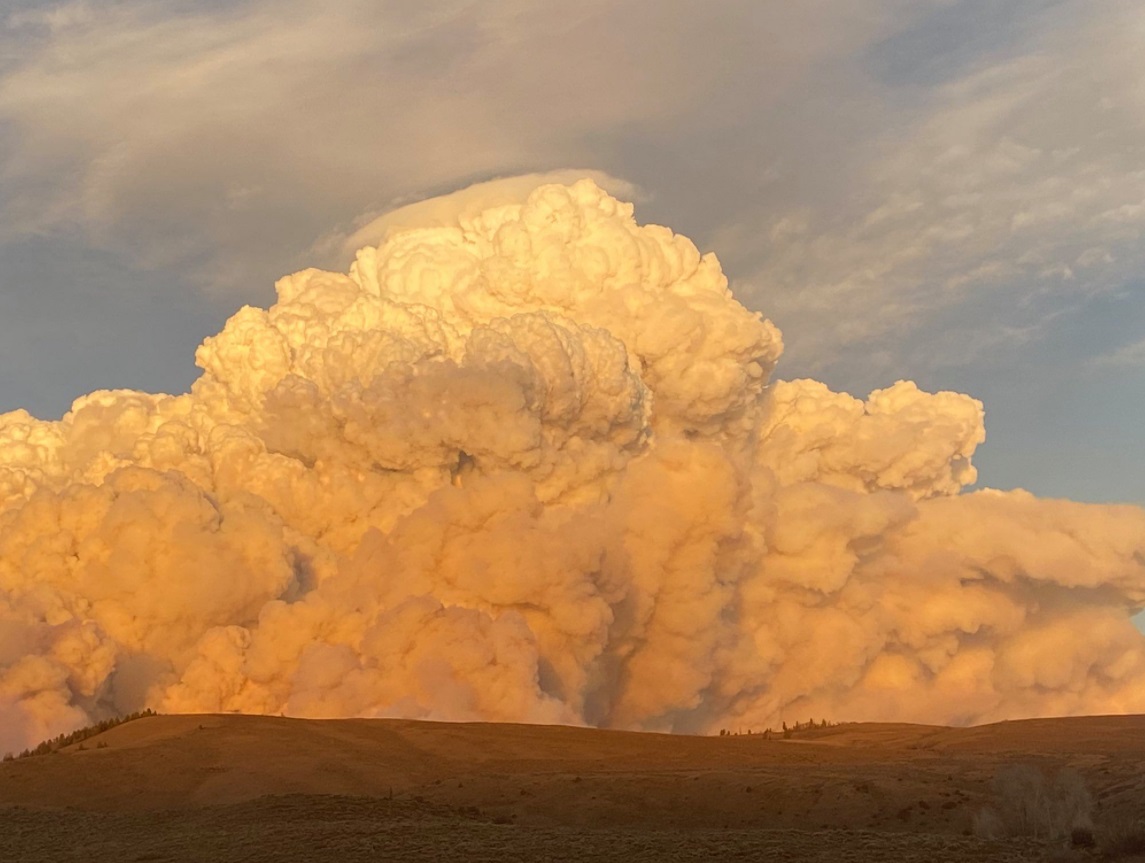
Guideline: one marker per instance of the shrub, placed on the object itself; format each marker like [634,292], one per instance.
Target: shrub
[1082,837]
[1030,804]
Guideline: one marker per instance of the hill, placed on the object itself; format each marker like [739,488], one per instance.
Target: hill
[366,789]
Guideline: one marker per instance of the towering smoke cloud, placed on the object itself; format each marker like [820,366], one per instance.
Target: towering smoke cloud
[529,466]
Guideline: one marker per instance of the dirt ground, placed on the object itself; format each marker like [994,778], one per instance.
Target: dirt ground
[223,788]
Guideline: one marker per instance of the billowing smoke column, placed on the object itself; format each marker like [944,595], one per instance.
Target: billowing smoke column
[530,467]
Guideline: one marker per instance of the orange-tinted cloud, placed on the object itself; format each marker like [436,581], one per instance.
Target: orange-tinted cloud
[530,465]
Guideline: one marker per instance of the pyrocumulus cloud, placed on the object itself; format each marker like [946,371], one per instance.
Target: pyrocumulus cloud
[530,465]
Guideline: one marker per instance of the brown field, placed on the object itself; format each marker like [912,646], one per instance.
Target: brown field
[242,788]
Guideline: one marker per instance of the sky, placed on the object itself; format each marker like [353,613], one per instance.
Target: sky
[947,191]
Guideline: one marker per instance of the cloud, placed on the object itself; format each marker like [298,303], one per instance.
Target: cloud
[464,204]
[859,174]
[528,464]
[1127,356]
[1014,185]
[221,139]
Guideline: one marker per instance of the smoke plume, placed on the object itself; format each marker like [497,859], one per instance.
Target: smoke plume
[531,466]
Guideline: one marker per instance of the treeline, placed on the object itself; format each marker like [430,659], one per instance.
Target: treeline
[786,731]
[57,743]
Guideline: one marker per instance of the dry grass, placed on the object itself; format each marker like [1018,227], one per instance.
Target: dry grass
[1124,841]
[347,829]
[226,788]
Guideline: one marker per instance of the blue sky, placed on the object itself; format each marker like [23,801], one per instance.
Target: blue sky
[949,191]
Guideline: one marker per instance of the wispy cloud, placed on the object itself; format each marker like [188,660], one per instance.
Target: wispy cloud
[850,198]
[186,136]
[227,138]
[1016,188]
[1129,356]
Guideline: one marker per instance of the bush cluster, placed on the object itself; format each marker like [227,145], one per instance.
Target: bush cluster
[788,730]
[1031,804]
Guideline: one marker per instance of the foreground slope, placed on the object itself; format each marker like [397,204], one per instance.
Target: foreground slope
[197,774]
